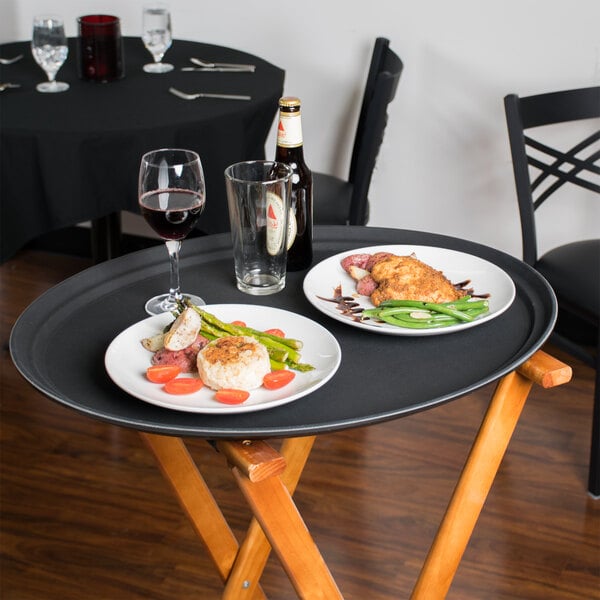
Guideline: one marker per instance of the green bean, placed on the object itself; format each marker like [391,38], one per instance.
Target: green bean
[416,314]
[414,324]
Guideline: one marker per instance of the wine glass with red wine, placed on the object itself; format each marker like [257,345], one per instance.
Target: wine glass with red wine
[171,195]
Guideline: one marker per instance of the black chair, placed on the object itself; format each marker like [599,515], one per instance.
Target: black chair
[340,202]
[573,269]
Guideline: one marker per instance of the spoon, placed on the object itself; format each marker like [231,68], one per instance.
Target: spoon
[6,86]
[10,61]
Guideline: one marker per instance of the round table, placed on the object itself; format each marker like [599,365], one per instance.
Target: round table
[59,343]
[74,156]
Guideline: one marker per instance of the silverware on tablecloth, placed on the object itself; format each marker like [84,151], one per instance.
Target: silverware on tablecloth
[215,65]
[10,61]
[6,86]
[219,69]
[185,96]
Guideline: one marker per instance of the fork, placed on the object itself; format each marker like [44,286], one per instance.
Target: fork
[211,65]
[5,86]
[201,95]
[10,61]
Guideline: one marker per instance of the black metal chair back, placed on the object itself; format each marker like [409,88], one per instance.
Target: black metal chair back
[572,269]
[559,167]
[341,202]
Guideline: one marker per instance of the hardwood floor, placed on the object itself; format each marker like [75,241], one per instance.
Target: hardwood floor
[85,513]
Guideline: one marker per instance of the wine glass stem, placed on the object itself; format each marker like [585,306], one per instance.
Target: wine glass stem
[173,247]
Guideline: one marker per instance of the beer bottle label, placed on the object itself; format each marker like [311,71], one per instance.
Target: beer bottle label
[276,227]
[289,132]
[292,228]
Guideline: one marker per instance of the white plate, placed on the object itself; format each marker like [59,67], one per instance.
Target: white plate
[486,278]
[126,360]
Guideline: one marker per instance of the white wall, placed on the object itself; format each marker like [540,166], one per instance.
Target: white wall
[445,162]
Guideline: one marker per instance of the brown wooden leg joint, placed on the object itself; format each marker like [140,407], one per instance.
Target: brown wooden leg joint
[254,458]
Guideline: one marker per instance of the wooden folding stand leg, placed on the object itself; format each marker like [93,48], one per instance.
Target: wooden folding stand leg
[267,483]
[480,470]
[268,480]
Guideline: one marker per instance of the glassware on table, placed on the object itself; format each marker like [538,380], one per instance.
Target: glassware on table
[258,197]
[171,197]
[100,48]
[156,35]
[50,50]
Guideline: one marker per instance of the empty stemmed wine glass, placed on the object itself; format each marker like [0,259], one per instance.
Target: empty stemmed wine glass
[156,35]
[171,196]
[49,49]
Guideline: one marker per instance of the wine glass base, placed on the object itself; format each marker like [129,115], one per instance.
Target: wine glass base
[164,303]
[158,67]
[50,87]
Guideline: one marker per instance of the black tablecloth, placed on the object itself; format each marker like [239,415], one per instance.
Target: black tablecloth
[74,156]
[59,342]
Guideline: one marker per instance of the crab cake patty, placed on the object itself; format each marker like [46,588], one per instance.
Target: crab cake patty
[238,362]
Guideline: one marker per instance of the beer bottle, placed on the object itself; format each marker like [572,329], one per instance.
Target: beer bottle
[290,151]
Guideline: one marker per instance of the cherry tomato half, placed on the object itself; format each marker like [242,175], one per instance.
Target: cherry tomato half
[183,385]
[227,396]
[277,379]
[162,373]
[276,332]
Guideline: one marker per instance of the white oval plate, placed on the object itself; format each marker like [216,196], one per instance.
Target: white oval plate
[486,278]
[126,360]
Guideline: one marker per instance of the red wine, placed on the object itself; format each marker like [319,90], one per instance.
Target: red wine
[172,213]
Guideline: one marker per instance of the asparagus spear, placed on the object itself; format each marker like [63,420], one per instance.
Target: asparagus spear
[282,351]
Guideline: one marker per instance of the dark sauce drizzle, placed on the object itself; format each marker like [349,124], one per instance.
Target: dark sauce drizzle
[347,305]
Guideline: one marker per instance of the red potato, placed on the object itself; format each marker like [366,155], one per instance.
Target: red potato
[356,260]
[357,273]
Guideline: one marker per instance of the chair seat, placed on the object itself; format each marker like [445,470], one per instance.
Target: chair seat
[573,271]
[331,199]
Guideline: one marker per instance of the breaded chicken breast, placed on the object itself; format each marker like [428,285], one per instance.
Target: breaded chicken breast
[407,278]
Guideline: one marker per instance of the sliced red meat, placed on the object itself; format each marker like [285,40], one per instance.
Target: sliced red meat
[185,359]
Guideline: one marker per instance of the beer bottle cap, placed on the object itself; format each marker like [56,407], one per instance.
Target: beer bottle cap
[289,101]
